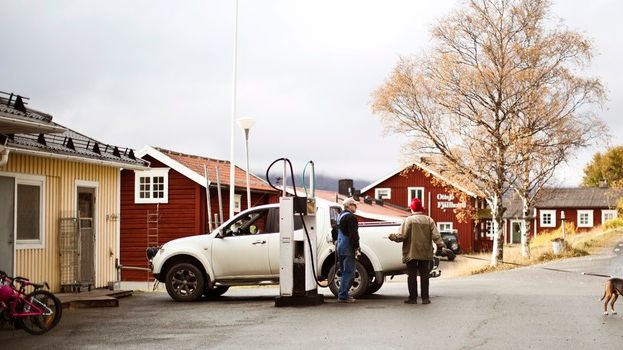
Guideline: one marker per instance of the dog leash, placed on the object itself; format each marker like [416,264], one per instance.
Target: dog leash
[543,268]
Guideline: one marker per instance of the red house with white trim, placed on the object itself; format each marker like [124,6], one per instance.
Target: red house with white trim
[584,207]
[416,180]
[168,201]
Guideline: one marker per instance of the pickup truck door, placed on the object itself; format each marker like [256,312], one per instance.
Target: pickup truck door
[243,250]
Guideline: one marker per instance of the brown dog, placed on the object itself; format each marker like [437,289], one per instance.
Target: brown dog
[614,288]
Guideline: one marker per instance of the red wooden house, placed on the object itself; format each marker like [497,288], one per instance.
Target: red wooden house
[399,187]
[168,201]
[586,208]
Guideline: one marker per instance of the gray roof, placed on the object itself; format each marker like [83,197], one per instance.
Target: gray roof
[579,197]
[64,143]
[576,197]
[514,208]
[13,121]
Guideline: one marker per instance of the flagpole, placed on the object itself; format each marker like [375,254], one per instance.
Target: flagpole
[232,175]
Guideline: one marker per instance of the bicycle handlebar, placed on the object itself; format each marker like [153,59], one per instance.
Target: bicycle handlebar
[23,281]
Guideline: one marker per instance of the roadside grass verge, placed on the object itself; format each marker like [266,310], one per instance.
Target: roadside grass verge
[577,244]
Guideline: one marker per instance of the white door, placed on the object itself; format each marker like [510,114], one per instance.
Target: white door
[7,220]
[243,251]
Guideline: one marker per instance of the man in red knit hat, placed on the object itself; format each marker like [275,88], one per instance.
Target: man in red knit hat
[417,233]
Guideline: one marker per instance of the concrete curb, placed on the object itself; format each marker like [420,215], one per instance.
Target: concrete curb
[92,299]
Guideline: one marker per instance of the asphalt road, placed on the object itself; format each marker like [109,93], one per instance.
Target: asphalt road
[527,308]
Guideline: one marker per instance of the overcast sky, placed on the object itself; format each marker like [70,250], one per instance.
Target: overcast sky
[136,73]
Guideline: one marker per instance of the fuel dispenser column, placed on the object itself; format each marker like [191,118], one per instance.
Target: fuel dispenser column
[286,246]
[297,282]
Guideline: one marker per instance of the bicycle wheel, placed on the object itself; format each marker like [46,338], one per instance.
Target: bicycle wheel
[51,308]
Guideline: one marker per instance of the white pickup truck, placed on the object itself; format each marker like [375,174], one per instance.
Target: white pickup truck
[245,251]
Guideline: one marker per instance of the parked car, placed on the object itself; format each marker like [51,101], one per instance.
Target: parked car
[452,243]
[245,251]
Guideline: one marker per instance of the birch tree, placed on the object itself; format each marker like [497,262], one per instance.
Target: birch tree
[545,144]
[495,69]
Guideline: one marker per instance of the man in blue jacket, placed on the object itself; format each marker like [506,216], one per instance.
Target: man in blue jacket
[347,247]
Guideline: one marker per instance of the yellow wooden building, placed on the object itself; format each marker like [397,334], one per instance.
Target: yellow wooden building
[59,200]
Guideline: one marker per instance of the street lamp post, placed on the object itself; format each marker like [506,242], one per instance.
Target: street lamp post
[246,123]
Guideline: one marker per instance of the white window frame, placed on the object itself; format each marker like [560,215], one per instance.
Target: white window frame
[387,190]
[590,217]
[410,197]
[447,223]
[151,173]
[608,212]
[542,214]
[31,180]
[237,203]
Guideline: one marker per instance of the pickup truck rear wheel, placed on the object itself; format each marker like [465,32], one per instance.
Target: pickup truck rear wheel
[375,286]
[185,282]
[360,281]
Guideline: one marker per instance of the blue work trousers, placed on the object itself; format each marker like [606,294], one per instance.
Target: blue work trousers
[346,255]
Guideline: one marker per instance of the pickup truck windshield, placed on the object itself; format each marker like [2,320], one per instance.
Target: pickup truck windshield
[259,222]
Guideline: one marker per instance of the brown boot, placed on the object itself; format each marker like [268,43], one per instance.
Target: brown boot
[425,301]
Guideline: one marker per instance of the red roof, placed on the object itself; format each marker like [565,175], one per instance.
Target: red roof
[196,164]
[370,211]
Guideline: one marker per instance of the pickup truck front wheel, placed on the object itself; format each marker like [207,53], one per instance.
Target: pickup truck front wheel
[360,281]
[185,282]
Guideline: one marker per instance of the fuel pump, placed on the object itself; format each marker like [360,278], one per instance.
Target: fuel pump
[297,248]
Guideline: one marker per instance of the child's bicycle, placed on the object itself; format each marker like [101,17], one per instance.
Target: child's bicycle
[36,312]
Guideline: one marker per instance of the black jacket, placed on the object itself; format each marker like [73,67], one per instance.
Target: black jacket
[350,227]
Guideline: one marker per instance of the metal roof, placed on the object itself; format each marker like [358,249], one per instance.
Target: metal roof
[54,140]
[14,121]
[579,197]
[192,166]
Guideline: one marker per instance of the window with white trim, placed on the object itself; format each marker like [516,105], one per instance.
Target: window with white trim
[237,203]
[444,226]
[608,214]
[29,212]
[415,192]
[547,218]
[151,186]
[585,218]
[383,193]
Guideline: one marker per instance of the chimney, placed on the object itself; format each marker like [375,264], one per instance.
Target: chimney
[356,194]
[344,186]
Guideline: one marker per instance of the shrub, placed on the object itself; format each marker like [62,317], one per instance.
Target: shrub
[544,237]
[613,223]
